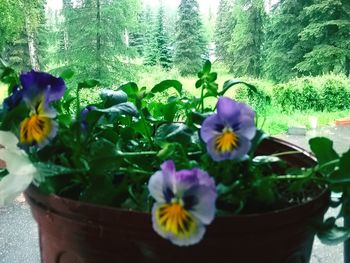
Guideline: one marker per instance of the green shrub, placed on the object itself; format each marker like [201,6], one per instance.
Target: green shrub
[335,95]
[287,97]
[310,98]
[258,100]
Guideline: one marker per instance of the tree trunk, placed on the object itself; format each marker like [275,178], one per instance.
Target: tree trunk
[347,66]
[33,54]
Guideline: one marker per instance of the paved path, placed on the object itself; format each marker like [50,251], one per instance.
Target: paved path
[19,236]
[339,134]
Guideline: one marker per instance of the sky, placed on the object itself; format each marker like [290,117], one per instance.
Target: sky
[204,4]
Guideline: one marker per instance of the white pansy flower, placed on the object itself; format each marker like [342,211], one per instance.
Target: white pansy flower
[20,169]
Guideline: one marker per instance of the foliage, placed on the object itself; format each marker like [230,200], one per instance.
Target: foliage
[225,24]
[95,38]
[282,46]
[325,37]
[190,45]
[323,93]
[247,38]
[105,153]
[165,57]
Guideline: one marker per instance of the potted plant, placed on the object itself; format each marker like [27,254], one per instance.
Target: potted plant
[143,177]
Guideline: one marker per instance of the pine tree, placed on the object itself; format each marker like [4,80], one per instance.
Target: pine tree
[150,48]
[94,38]
[326,37]
[164,54]
[190,44]
[283,49]
[225,24]
[247,38]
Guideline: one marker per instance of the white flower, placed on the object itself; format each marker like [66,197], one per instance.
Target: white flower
[20,170]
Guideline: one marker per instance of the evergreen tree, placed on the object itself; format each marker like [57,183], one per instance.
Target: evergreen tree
[19,28]
[283,49]
[163,49]
[12,21]
[225,24]
[326,37]
[150,48]
[247,37]
[94,38]
[190,44]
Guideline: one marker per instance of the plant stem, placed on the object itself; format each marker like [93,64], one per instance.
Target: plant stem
[285,153]
[202,99]
[135,154]
[139,171]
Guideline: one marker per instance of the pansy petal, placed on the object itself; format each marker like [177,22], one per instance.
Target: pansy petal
[14,99]
[247,127]
[183,230]
[242,150]
[239,152]
[37,130]
[184,180]
[211,126]
[35,83]
[12,185]
[204,209]
[8,140]
[168,169]
[228,110]
[156,186]
[16,161]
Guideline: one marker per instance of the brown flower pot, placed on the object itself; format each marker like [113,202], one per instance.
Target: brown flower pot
[73,232]
[343,121]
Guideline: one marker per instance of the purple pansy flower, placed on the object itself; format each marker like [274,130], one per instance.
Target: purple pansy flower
[39,89]
[84,115]
[37,83]
[229,132]
[14,99]
[185,203]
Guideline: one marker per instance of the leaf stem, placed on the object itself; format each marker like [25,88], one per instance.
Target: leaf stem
[139,171]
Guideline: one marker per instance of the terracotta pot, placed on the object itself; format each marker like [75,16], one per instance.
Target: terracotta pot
[343,121]
[73,232]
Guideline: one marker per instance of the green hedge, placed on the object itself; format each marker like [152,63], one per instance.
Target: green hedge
[329,93]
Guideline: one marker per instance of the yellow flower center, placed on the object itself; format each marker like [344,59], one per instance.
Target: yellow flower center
[35,129]
[174,218]
[227,141]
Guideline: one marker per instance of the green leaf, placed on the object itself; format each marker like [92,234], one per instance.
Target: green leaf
[264,159]
[230,83]
[342,175]
[197,118]
[323,149]
[91,83]
[206,67]
[67,74]
[258,138]
[167,151]
[332,234]
[126,108]
[130,89]
[14,117]
[112,97]
[65,119]
[50,169]
[199,83]
[212,77]
[167,84]
[175,132]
